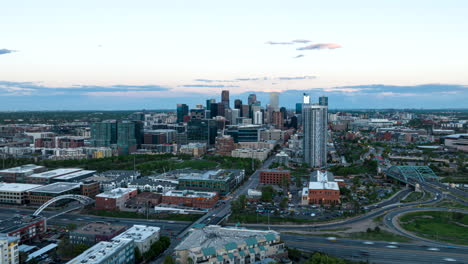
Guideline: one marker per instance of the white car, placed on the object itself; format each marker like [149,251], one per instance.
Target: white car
[391,246]
[393,243]
[433,249]
[331,238]
[450,259]
[368,243]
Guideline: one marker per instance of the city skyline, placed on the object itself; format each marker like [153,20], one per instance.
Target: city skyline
[118,55]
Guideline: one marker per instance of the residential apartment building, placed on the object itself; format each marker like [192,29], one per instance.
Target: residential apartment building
[143,236]
[121,251]
[9,253]
[217,245]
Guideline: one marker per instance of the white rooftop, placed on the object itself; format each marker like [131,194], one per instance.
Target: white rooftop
[17,187]
[115,193]
[57,188]
[139,233]
[75,174]
[100,252]
[22,169]
[54,173]
[323,181]
[189,193]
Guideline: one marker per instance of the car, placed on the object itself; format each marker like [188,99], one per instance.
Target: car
[433,249]
[332,239]
[368,243]
[391,246]
[393,243]
[171,222]
[364,252]
[450,259]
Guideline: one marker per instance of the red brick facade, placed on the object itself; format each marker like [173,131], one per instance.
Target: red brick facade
[274,176]
[202,202]
[324,196]
[114,202]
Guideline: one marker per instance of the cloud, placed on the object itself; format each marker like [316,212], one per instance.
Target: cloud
[6,51]
[247,79]
[301,41]
[32,88]
[296,78]
[278,43]
[320,46]
[207,86]
[210,81]
[414,89]
[298,56]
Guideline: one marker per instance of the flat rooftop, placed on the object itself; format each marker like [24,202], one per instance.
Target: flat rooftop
[22,169]
[99,228]
[57,188]
[75,175]
[139,233]
[275,170]
[190,194]
[213,238]
[115,193]
[17,187]
[54,173]
[207,175]
[100,252]
[13,223]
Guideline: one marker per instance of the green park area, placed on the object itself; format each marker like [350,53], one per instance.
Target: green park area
[448,227]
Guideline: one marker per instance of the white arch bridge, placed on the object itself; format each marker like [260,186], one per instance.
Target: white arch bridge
[80,198]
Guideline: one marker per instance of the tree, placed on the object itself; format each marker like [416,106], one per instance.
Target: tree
[168,260]
[138,256]
[284,203]
[267,193]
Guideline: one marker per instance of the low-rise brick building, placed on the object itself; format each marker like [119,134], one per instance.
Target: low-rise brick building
[322,189]
[115,199]
[191,198]
[275,176]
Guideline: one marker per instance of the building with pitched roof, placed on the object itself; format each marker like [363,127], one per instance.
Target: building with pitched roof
[216,244]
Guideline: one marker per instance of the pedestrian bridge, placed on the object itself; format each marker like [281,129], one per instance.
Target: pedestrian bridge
[80,198]
[412,174]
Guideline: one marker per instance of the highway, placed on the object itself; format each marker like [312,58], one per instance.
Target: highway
[377,252]
[170,228]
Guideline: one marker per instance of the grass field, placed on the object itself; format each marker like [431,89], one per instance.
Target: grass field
[451,204]
[414,196]
[449,227]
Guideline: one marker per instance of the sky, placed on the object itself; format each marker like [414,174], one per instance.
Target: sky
[109,55]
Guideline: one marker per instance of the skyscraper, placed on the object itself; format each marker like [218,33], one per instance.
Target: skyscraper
[323,100]
[238,104]
[274,101]
[258,118]
[182,110]
[129,136]
[252,99]
[298,108]
[104,134]
[314,119]
[225,98]
[277,120]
